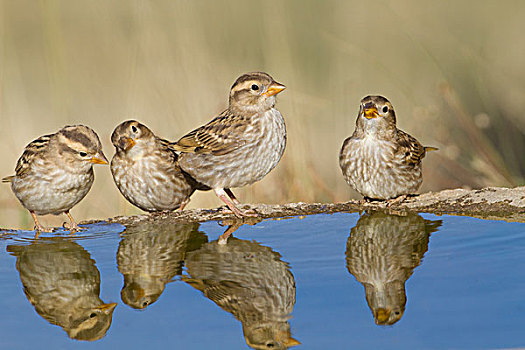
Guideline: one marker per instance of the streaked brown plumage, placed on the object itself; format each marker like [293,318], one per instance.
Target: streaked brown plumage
[62,282]
[145,170]
[55,172]
[251,282]
[242,144]
[382,252]
[150,255]
[380,161]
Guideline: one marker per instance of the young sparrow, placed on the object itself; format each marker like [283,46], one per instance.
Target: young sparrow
[145,170]
[380,161]
[56,171]
[242,144]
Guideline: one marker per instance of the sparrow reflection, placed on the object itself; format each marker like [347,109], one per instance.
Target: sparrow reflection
[150,255]
[251,282]
[62,282]
[382,252]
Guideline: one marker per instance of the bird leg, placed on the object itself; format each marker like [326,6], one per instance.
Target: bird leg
[223,196]
[39,228]
[184,204]
[235,201]
[231,229]
[73,227]
[232,196]
[233,225]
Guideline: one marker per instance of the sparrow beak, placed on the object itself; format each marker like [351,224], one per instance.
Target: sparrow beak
[382,315]
[126,143]
[291,342]
[107,308]
[274,89]
[370,112]
[99,158]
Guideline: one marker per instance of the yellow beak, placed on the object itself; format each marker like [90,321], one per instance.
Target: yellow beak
[291,342]
[382,315]
[370,113]
[99,158]
[274,89]
[126,143]
[109,307]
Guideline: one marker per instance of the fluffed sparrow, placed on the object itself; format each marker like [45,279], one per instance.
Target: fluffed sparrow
[242,144]
[56,171]
[380,161]
[145,170]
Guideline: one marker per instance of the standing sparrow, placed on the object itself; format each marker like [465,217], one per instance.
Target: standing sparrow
[56,171]
[380,161]
[62,282]
[382,252]
[242,144]
[145,170]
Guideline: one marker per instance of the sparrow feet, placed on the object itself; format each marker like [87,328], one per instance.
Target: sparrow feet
[233,225]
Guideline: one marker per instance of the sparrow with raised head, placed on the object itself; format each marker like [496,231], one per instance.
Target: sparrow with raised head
[380,161]
[55,172]
[145,170]
[242,144]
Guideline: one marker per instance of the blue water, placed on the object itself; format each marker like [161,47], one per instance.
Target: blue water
[434,282]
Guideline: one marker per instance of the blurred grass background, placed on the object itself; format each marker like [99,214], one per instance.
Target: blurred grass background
[454,71]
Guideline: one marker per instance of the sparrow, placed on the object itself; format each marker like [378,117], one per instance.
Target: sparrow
[382,252]
[251,282]
[239,146]
[146,171]
[62,282]
[55,172]
[379,160]
[151,255]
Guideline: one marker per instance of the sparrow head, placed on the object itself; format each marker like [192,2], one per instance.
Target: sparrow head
[269,335]
[254,92]
[141,292]
[376,115]
[79,146]
[130,133]
[388,304]
[91,323]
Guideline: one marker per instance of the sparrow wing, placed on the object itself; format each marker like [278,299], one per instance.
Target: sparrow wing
[413,151]
[220,136]
[166,149]
[33,149]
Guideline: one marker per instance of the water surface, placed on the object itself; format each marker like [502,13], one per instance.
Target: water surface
[327,281]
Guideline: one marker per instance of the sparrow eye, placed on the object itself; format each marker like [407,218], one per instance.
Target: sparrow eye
[134,128]
[385,109]
[82,154]
[255,87]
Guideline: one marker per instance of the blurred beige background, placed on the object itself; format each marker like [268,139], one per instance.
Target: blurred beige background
[454,72]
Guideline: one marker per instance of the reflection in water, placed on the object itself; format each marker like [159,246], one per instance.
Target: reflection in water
[62,282]
[251,282]
[382,252]
[150,255]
